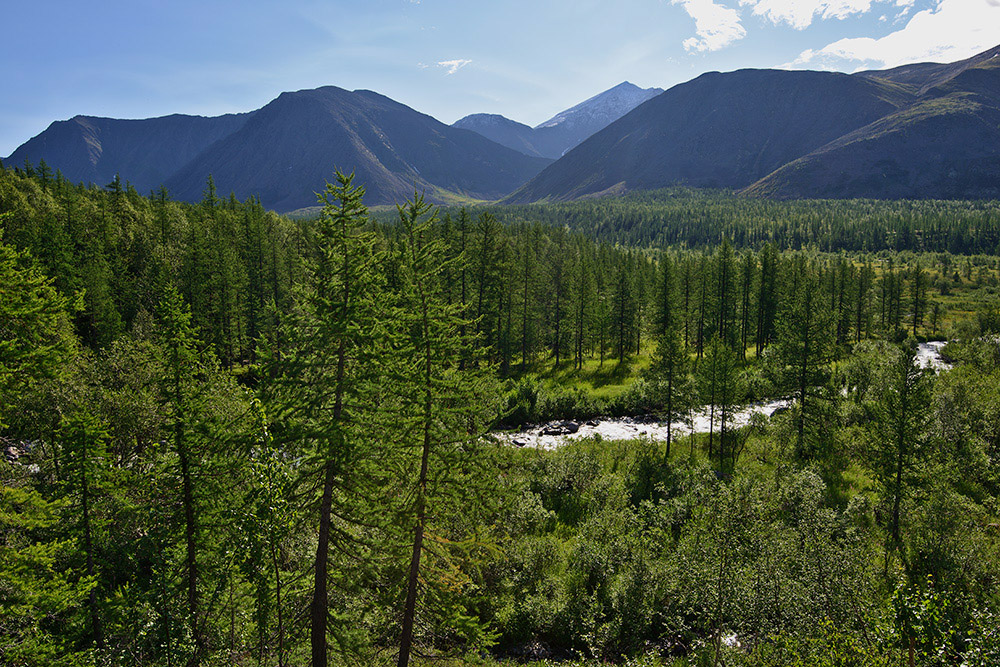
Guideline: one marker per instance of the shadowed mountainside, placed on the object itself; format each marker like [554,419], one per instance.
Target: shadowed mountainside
[918,131]
[288,150]
[145,152]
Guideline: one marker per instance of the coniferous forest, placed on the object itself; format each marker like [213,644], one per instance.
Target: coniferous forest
[235,438]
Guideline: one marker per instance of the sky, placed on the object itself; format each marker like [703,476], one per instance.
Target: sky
[524,59]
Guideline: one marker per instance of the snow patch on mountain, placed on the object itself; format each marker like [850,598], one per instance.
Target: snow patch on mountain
[604,108]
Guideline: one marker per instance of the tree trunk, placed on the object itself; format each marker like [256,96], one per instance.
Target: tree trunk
[409,609]
[95,620]
[318,610]
[190,535]
[277,606]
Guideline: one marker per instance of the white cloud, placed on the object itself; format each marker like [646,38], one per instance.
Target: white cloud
[453,65]
[800,13]
[715,26]
[953,30]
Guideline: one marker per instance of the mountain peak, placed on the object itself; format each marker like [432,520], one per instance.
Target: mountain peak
[604,108]
[565,130]
[475,121]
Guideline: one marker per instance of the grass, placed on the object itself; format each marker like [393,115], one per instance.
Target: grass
[601,381]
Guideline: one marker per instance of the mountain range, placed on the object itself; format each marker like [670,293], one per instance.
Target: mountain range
[925,130]
[919,131]
[285,151]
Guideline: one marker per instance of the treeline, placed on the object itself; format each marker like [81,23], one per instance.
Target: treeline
[698,218]
[537,293]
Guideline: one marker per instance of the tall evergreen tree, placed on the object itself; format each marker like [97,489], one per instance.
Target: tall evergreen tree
[897,435]
[669,365]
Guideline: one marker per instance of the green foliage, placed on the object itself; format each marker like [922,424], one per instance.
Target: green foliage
[235,439]
[39,594]
[35,341]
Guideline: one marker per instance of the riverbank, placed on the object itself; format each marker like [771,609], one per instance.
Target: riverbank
[555,434]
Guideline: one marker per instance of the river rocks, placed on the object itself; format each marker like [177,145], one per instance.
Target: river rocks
[560,428]
[11,450]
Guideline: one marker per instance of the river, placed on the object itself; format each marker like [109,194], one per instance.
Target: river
[629,428]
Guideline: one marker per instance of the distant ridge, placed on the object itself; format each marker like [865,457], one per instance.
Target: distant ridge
[564,130]
[945,144]
[146,152]
[926,130]
[717,131]
[287,151]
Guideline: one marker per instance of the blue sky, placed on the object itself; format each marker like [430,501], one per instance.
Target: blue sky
[525,59]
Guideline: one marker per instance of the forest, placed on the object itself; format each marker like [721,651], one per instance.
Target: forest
[235,438]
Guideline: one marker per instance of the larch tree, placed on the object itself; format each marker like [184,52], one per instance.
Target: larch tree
[318,401]
[897,435]
[670,359]
[84,442]
[805,333]
[443,408]
[182,403]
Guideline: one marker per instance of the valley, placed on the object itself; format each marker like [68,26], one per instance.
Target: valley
[700,376]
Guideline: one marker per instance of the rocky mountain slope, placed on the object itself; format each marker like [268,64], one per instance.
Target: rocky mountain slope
[146,152]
